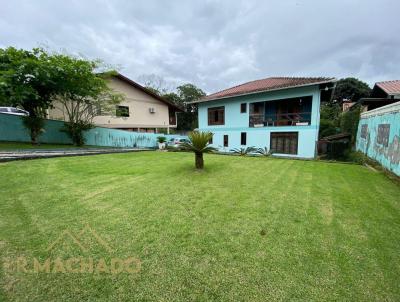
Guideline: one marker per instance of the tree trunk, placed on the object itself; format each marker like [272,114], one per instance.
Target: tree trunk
[199,160]
[34,137]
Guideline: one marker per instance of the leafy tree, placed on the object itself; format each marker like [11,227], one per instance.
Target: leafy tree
[329,119]
[27,81]
[188,93]
[330,111]
[184,95]
[352,89]
[349,122]
[83,94]
[173,98]
[199,144]
[332,120]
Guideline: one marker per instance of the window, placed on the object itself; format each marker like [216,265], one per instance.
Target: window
[210,140]
[243,108]
[257,108]
[383,134]
[226,143]
[243,138]
[122,111]
[364,131]
[284,142]
[216,116]
[98,110]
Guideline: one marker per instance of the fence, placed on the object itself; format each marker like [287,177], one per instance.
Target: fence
[12,129]
[378,136]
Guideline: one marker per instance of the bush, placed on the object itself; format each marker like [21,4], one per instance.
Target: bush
[356,157]
[327,127]
[264,151]
[243,151]
[349,122]
[75,131]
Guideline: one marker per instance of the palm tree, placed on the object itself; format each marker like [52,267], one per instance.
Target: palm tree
[199,144]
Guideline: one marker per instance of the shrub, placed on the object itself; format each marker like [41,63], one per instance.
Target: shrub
[356,157]
[264,151]
[75,131]
[161,139]
[243,151]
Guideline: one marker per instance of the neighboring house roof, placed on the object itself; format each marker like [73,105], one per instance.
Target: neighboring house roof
[334,137]
[268,84]
[145,90]
[390,87]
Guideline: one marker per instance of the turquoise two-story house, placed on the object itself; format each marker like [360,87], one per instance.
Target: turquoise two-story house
[279,113]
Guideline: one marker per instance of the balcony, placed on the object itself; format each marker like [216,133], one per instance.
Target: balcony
[282,119]
[285,112]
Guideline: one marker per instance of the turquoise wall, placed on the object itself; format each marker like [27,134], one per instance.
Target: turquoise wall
[388,156]
[236,122]
[12,129]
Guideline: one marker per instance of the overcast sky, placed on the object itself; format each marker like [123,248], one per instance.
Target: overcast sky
[216,44]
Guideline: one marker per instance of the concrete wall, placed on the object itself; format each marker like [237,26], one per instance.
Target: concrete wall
[138,103]
[236,122]
[12,129]
[388,156]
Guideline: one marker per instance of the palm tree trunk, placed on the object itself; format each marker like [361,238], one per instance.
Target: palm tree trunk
[199,160]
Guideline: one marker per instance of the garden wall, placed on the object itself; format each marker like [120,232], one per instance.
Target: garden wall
[378,136]
[12,129]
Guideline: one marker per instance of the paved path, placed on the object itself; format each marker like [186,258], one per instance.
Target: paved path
[9,155]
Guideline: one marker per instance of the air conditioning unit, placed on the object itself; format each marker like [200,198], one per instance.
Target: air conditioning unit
[152,110]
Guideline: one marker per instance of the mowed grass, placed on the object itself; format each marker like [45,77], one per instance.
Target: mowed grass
[245,229]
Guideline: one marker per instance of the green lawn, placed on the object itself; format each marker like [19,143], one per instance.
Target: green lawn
[245,229]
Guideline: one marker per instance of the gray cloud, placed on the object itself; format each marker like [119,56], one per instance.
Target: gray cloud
[216,44]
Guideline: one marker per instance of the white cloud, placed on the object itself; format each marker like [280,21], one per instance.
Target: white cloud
[216,44]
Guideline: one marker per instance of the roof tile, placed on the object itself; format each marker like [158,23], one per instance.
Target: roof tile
[267,84]
[390,87]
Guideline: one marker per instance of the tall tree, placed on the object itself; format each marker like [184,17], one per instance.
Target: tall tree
[183,97]
[352,89]
[83,94]
[189,93]
[156,83]
[27,80]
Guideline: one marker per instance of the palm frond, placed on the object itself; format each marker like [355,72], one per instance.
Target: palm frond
[243,151]
[199,142]
[264,151]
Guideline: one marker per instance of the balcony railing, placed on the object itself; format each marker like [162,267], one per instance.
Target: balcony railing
[281,119]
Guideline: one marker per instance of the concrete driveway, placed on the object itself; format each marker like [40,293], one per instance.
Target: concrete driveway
[9,155]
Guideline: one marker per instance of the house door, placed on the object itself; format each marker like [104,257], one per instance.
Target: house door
[284,142]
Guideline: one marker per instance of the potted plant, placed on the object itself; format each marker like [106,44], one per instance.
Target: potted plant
[161,142]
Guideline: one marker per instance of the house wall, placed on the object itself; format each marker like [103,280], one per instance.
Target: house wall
[236,122]
[138,103]
[388,156]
